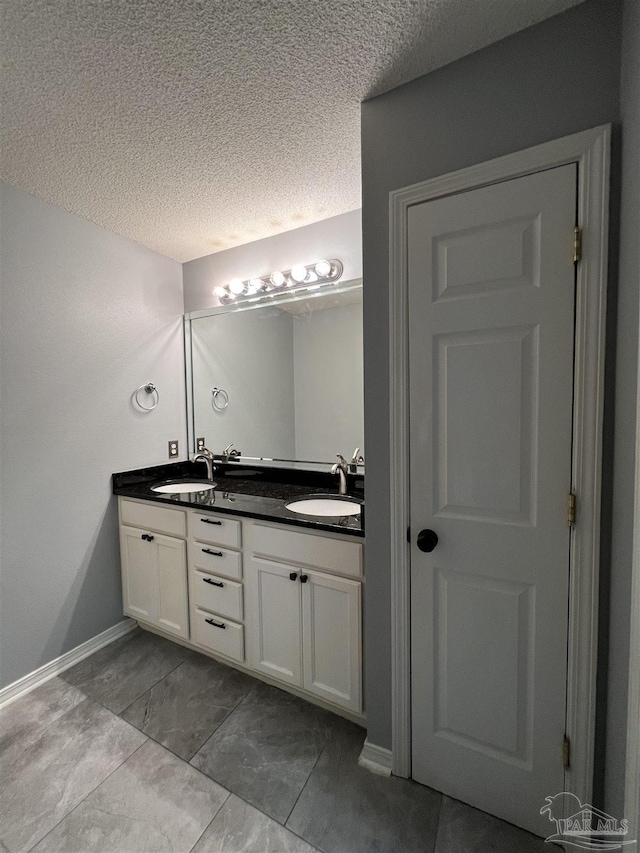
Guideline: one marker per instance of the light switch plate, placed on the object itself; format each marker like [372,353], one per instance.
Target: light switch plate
[174,452]
[199,444]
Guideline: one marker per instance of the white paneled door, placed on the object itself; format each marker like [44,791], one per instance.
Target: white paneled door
[491,331]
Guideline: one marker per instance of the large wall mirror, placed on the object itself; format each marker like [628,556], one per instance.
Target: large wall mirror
[281,381]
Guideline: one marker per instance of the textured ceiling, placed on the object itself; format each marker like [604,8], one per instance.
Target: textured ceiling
[192,126]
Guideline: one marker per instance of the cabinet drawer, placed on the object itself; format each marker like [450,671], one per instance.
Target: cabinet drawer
[152,517]
[215,529]
[218,634]
[219,595]
[214,559]
[333,555]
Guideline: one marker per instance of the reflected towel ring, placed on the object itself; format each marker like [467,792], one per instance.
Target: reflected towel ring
[150,388]
[217,402]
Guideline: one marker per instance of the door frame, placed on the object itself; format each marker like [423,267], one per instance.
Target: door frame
[590,149]
[632,776]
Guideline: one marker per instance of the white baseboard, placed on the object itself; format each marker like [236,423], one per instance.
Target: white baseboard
[45,673]
[377,759]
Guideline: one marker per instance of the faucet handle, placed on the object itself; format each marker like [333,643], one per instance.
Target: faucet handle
[356,459]
[343,461]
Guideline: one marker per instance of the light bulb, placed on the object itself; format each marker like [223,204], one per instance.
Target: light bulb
[255,285]
[220,291]
[323,268]
[236,286]
[299,273]
[277,278]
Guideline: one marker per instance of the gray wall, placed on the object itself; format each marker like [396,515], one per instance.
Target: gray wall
[626,381]
[250,355]
[556,78]
[329,396]
[338,237]
[86,318]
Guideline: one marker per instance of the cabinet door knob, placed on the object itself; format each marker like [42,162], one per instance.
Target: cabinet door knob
[427,540]
[304,578]
[215,624]
[147,537]
[293,576]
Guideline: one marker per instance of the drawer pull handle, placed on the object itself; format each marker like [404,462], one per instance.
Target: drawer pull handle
[215,624]
[293,576]
[210,521]
[215,553]
[212,582]
[304,578]
[147,537]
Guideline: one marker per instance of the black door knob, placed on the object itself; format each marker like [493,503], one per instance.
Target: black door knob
[427,540]
[293,576]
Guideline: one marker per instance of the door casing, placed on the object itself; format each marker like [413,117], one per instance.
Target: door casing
[591,151]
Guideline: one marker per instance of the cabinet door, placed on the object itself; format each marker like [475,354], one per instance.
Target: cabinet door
[139,575]
[332,639]
[173,608]
[154,579]
[275,617]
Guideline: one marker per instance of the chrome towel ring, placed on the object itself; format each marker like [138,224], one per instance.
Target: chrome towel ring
[220,399]
[150,388]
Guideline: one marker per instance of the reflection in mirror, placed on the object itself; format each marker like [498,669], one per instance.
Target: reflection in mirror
[281,380]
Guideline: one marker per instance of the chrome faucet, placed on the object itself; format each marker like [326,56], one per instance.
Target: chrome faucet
[340,468]
[229,452]
[356,459]
[207,457]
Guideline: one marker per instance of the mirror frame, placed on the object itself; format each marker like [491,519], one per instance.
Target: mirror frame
[248,305]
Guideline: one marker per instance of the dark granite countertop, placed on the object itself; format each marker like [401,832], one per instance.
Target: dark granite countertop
[249,490]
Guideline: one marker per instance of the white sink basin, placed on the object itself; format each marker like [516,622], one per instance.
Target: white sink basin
[181,487]
[324,506]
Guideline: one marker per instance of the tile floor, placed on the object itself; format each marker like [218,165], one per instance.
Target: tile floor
[147,746]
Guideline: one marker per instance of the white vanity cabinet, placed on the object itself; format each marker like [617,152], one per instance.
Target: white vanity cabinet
[154,571]
[268,598]
[305,620]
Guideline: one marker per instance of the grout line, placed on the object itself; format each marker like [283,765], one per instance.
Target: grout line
[219,727]
[148,690]
[87,795]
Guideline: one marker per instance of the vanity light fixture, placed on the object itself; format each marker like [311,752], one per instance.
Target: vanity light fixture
[299,277]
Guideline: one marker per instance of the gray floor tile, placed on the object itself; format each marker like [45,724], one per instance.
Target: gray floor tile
[239,828]
[153,802]
[23,718]
[346,808]
[266,749]
[466,830]
[44,782]
[187,706]
[121,672]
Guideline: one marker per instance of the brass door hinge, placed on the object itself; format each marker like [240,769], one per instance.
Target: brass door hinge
[571,509]
[566,752]
[577,244]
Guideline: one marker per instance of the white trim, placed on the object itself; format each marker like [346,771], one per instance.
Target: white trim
[590,150]
[34,679]
[632,776]
[377,759]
